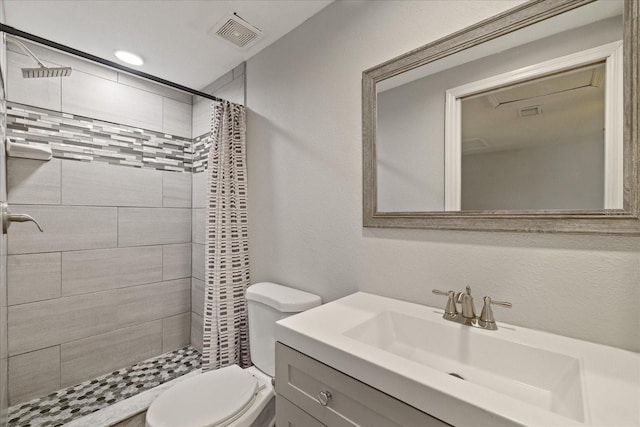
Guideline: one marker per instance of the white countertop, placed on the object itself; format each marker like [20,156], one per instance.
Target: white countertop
[610,377]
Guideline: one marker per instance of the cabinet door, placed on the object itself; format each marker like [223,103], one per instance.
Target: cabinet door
[289,415]
[301,379]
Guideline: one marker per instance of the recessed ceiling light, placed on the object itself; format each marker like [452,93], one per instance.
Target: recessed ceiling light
[128,57]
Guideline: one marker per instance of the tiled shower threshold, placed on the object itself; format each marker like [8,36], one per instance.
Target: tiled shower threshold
[110,394]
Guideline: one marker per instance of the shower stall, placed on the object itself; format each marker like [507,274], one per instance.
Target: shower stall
[107,301]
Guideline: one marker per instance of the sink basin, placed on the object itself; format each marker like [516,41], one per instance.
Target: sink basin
[468,376]
[546,379]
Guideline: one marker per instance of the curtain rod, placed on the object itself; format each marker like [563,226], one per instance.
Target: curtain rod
[45,42]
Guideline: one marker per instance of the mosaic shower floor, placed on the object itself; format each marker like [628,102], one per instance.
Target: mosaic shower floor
[63,406]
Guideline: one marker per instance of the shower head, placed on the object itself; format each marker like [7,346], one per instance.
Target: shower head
[38,72]
[42,70]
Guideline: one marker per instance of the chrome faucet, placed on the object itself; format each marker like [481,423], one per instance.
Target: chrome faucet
[467,315]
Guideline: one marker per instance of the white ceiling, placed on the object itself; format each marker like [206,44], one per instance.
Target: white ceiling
[572,108]
[171,35]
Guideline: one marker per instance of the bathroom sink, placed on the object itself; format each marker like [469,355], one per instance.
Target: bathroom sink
[546,379]
[469,376]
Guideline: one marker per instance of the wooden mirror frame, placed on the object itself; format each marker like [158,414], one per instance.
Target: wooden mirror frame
[625,221]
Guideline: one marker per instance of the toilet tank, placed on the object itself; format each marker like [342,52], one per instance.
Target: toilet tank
[267,303]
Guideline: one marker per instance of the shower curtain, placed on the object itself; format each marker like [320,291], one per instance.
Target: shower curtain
[225,332]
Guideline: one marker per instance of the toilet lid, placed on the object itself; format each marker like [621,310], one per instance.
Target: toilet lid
[210,399]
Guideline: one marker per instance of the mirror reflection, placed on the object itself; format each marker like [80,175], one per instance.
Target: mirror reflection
[534,144]
[538,145]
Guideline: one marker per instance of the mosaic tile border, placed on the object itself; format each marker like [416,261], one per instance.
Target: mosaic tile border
[81,138]
[63,406]
[201,146]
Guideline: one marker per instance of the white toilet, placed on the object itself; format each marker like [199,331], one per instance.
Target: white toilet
[233,396]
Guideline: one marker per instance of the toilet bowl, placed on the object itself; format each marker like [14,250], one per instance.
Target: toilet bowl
[230,396]
[233,396]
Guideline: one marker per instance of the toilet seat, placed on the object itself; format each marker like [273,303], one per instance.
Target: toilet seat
[215,398]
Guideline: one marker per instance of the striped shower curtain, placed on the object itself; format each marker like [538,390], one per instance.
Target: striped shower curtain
[225,328]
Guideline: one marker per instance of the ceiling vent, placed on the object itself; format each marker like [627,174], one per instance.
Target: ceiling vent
[532,110]
[236,30]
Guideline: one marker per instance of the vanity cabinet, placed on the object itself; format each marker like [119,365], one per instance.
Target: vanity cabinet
[312,394]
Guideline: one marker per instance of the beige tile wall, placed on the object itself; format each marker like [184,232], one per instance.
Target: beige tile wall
[176,331]
[97,355]
[85,95]
[34,277]
[176,261]
[197,256]
[196,331]
[197,261]
[67,228]
[48,90]
[197,296]
[37,372]
[153,226]
[94,184]
[98,92]
[109,281]
[173,195]
[34,180]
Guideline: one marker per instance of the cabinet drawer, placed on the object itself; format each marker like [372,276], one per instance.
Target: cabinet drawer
[289,415]
[300,379]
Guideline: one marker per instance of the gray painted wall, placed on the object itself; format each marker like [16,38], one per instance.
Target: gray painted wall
[305,176]
[410,148]
[567,175]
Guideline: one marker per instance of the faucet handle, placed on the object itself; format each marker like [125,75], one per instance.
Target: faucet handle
[450,310]
[487,320]
[501,303]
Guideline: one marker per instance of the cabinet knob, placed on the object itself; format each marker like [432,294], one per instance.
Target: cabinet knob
[324,397]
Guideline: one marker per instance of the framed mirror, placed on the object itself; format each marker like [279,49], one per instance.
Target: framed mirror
[527,121]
